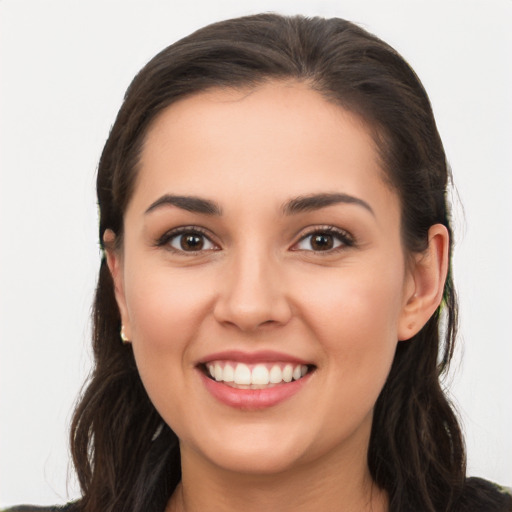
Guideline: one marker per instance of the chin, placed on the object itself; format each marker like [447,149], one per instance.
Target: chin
[255,449]
[254,462]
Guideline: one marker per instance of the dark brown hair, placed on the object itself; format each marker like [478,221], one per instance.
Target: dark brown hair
[416,451]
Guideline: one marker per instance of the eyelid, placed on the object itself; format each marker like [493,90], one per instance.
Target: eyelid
[180,230]
[347,239]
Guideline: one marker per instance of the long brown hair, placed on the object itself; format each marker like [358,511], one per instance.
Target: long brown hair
[416,450]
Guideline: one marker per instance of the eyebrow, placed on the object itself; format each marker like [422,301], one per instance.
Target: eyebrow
[292,207]
[318,201]
[188,203]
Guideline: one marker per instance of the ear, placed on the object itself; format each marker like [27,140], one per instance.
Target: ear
[115,265]
[425,283]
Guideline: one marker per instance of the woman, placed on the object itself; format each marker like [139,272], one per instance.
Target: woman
[277,266]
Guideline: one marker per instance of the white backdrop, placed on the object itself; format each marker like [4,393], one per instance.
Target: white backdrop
[64,67]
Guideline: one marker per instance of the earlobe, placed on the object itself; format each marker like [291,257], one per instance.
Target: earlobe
[115,265]
[428,276]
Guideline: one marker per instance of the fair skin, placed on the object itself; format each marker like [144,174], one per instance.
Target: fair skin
[268,277]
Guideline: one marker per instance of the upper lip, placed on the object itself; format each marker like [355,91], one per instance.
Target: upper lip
[261,356]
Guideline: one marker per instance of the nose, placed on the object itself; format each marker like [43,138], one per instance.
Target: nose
[252,293]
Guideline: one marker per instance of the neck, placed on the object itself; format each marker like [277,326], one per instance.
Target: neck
[327,485]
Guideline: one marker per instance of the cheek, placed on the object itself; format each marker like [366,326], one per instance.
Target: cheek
[165,309]
[357,302]
[164,305]
[355,319]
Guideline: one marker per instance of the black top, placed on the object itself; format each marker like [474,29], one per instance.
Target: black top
[70,507]
[479,496]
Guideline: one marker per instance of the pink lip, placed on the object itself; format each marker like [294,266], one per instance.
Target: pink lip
[252,399]
[253,357]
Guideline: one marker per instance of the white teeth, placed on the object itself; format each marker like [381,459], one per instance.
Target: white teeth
[276,375]
[218,372]
[242,374]
[260,374]
[288,373]
[229,373]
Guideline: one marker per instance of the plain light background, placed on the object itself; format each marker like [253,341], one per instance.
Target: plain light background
[63,71]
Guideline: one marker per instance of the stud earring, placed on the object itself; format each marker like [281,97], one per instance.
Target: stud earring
[124,339]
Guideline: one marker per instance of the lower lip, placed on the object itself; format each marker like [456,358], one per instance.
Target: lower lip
[253,399]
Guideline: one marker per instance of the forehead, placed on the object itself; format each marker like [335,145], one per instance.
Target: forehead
[281,112]
[279,139]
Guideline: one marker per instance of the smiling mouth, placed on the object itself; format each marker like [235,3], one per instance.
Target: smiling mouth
[255,376]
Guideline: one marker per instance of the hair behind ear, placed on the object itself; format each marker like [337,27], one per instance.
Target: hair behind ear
[416,448]
[114,421]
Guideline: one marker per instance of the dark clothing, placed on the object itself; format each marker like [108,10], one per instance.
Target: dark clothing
[483,496]
[70,507]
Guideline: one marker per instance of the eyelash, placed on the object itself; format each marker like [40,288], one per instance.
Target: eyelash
[345,239]
[167,237]
[342,236]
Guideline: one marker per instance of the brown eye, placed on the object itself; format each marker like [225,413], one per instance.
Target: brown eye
[190,241]
[322,242]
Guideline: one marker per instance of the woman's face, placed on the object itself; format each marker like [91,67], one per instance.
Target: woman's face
[261,243]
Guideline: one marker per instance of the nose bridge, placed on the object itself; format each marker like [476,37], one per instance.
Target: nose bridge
[252,292]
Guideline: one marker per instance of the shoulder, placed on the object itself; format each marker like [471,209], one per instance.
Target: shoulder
[484,496]
[70,507]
